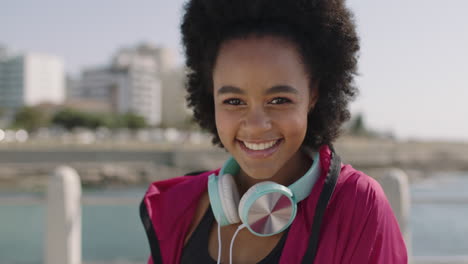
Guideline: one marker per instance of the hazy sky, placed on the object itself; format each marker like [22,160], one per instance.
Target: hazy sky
[413,65]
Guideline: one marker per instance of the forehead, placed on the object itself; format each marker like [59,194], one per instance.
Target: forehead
[259,61]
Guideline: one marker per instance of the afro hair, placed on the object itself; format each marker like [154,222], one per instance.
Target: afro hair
[322,30]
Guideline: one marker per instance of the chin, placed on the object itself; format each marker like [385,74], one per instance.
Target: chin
[260,173]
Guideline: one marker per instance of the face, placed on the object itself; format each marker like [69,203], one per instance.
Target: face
[262,95]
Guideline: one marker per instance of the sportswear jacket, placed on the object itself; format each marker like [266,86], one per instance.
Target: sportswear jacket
[358,225]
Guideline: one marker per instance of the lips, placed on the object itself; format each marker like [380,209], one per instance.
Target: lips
[260,146]
[260,149]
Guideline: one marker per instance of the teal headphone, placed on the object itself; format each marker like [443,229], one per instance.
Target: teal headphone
[267,208]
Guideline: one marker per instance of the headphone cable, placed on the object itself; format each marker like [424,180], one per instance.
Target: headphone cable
[219,244]
[232,242]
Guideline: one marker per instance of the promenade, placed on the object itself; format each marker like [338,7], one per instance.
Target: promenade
[28,164]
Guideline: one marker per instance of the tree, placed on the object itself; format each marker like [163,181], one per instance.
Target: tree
[133,121]
[30,119]
[357,126]
[69,119]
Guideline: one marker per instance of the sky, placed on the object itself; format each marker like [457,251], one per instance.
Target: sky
[413,66]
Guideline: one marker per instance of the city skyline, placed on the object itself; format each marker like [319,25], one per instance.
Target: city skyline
[413,75]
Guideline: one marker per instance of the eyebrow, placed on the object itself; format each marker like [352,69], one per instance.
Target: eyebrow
[281,89]
[230,89]
[275,89]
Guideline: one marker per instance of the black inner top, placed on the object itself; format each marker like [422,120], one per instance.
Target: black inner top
[196,249]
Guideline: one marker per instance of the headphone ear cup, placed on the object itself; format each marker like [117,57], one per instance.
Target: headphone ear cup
[242,211]
[215,201]
[267,208]
[229,196]
[243,199]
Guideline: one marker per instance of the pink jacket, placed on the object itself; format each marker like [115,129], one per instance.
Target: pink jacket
[358,226]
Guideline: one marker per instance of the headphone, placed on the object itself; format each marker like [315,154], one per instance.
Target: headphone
[267,208]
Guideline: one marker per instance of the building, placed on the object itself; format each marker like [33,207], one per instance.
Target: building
[131,83]
[175,111]
[97,83]
[141,79]
[72,87]
[31,79]
[3,52]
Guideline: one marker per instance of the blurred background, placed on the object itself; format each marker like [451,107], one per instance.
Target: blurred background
[99,86]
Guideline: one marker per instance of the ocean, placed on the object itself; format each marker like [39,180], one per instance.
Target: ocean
[115,234]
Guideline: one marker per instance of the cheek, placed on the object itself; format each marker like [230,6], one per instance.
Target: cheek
[225,125]
[299,125]
[295,125]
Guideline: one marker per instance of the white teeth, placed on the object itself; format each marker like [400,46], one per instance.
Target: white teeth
[260,146]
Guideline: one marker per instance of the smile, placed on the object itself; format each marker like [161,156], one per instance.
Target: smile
[260,149]
[260,146]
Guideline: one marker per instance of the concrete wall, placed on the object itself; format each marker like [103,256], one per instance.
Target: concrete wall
[103,166]
[361,154]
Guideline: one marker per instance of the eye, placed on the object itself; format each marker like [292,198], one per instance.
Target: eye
[233,101]
[280,100]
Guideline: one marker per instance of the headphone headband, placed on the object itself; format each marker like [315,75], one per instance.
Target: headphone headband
[300,188]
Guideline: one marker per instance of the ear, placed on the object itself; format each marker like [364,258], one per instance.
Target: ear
[314,93]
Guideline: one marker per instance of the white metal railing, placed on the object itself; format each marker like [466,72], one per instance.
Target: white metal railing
[457,200]
[396,186]
[64,202]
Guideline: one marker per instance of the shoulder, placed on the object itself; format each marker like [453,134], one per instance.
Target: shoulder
[363,215]
[360,222]
[160,195]
[359,198]
[171,203]
[180,183]
[356,187]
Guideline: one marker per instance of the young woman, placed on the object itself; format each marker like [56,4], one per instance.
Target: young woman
[271,80]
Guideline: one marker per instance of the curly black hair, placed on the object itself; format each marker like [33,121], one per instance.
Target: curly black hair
[322,30]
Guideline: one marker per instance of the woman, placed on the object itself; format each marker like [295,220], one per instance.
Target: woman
[271,80]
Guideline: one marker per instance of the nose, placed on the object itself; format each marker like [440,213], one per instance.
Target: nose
[256,121]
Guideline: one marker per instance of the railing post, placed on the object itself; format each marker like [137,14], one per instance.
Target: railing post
[63,218]
[396,187]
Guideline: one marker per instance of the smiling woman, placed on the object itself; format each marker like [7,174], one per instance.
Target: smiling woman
[261,107]
[271,80]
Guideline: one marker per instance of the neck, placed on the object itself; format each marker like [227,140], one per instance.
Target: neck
[294,169]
